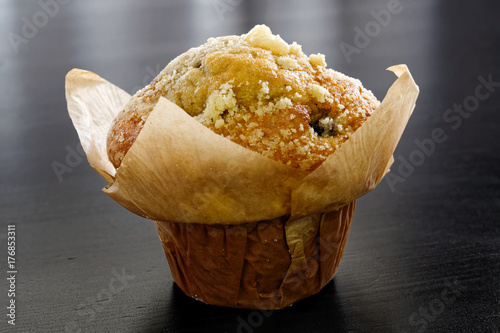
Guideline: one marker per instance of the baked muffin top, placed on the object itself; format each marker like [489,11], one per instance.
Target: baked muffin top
[258,91]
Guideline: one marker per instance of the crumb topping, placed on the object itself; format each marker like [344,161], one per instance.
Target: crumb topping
[317,60]
[259,92]
[261,36]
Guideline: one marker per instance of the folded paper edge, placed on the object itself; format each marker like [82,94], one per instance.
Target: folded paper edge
[108,171]
[119,190]
[403,74]
[75,81]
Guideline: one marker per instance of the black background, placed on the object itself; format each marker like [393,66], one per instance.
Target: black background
[423,255]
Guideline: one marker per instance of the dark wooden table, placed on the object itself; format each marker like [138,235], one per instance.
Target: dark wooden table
[423,253]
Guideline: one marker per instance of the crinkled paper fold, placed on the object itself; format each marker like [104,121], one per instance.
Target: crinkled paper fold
[178,170]
[267,265]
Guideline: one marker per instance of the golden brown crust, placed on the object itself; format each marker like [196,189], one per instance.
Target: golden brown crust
[259,92]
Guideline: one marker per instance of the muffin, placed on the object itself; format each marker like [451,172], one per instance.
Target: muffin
[249,156]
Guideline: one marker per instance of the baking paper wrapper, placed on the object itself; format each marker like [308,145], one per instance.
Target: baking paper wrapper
[238,229]
[249,265]
[178,170]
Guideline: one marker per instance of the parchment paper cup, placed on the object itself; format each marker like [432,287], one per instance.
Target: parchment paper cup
[218,206]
